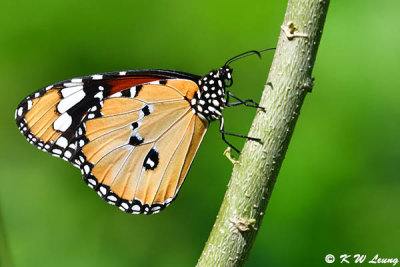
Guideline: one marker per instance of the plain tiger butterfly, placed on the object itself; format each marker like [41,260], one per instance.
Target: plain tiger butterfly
[133,134]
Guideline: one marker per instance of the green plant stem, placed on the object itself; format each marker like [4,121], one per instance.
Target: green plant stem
[253,178]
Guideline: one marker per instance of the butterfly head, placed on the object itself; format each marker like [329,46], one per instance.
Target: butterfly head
[221,78]
[225,72]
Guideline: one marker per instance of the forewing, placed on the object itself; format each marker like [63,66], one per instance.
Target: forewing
[48,118]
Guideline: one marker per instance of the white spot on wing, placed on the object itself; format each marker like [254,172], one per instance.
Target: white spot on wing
[70,101]
[154,82]
[155,209]
[150,162]
[136,208]
[81,144]
[67,154]
[62,142]
[99,95]
[86,169]
[112,198]
[103,190]
[63,122]
[133,91]
[29,104]
[57,151]
[71,84]
[70,90]
[116,95]
[97,77]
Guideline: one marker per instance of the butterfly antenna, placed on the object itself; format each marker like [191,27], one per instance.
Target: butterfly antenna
[246,54]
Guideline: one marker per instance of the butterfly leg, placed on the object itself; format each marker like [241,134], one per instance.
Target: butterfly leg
[223,132]
[247,102]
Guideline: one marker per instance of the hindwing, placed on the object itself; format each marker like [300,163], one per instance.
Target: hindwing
[136,148]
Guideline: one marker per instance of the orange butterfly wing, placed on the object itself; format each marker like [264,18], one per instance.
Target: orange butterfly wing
[136,150]
[49,117]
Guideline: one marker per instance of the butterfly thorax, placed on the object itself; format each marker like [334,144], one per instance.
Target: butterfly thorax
[209,100]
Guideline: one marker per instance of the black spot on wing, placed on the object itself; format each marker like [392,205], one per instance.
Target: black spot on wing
[134,125]
[151,160]
[138,88]
[126,92]
[135,140]
[146,111]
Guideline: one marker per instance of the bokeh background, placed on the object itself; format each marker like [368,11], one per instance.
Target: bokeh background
[339,188]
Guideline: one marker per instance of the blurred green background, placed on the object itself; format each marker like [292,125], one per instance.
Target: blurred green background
[338,190]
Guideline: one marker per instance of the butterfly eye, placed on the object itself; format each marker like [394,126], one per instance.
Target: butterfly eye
[228,82]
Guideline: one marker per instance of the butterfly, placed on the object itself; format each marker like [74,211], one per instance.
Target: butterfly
[133,134]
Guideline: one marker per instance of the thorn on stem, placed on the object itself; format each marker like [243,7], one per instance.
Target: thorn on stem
[242,224]
[291,31]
